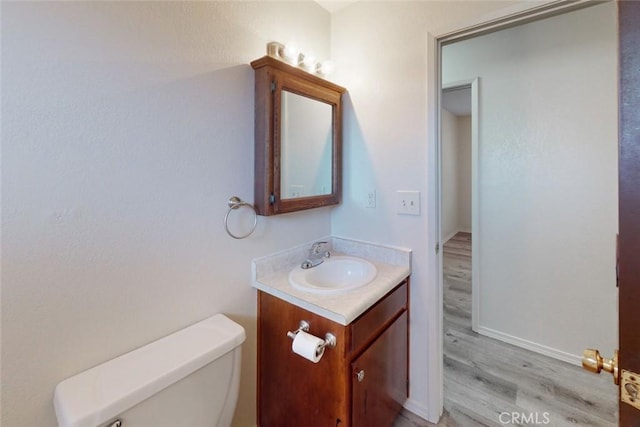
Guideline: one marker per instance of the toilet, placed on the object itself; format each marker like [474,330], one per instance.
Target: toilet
[189,378]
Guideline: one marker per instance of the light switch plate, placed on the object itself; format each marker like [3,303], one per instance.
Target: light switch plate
[408,202]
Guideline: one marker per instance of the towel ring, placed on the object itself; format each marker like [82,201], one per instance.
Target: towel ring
[236,202]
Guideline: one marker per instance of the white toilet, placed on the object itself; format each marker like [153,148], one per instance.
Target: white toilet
[189,378]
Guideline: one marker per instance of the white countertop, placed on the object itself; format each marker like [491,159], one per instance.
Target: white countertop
[271,275]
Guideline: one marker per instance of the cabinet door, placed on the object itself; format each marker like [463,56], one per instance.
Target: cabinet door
[292,391]
[379,381]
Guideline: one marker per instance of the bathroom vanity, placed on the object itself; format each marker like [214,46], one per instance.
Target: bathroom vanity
[363,380]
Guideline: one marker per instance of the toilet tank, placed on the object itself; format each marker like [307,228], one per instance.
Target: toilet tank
[189,378]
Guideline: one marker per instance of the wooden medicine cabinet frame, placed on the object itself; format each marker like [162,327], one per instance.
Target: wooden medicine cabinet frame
[272,77]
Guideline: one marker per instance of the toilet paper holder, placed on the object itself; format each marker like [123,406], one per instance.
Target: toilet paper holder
[329,339]
[304,326]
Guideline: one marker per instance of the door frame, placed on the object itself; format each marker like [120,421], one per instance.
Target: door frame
[474,85]
[502,19]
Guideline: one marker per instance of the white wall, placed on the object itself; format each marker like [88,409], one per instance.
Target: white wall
[126,127]
[380,49]
[548,179]
[456,174]
[464,173]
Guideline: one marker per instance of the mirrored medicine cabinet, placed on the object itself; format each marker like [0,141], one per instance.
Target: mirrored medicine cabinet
[298,138]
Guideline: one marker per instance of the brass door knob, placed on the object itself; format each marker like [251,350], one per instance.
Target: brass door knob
[592,361]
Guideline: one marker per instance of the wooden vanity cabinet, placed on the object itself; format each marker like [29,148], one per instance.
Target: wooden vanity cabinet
[362,382]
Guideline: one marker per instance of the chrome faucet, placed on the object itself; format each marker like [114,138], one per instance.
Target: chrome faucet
[316,255]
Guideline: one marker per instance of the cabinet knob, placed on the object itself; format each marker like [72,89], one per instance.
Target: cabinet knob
[360,375]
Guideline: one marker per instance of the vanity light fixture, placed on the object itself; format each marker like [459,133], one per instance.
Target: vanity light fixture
[290,54]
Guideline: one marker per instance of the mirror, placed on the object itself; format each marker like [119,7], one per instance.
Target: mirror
[306,146]
[298,139]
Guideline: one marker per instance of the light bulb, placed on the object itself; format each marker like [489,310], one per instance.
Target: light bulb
[326,67]
[290,53]
[309,62]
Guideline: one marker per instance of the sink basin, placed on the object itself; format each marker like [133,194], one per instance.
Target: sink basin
[335,275]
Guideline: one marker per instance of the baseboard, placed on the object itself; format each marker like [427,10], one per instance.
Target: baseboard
[448,237]
[419,410]
[532,346]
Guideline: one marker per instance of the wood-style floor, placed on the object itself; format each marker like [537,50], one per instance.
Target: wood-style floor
[484,377]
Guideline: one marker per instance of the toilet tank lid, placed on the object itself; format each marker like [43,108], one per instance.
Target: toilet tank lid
[101,393]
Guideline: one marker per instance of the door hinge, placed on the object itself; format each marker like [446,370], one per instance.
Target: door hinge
[273,86]
[630,388]
[437,248]
[272,199]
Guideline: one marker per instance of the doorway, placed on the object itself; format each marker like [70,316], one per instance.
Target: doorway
[459,168]
[548,229]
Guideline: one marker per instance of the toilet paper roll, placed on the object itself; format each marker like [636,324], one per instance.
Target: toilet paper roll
[308,346]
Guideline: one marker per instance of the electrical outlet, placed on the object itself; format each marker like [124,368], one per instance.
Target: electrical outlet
[408,202]
[371,199]
[296,191]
